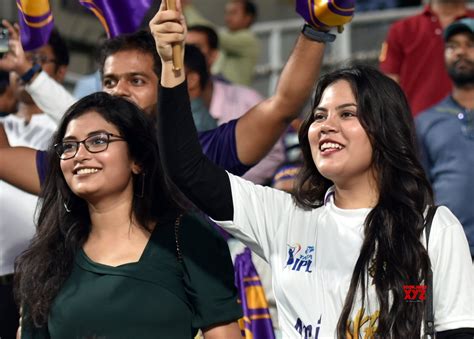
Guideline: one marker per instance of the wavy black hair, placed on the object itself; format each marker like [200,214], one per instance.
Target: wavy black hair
[392,246]
[43,268]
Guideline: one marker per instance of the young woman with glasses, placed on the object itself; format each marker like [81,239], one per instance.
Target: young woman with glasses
[112,256]
[348,252]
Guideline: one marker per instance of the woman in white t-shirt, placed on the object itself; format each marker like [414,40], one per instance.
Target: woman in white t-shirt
[348,253]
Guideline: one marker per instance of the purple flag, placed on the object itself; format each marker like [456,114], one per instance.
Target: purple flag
[256,323]
[326,13]
[36,23]
[118,16]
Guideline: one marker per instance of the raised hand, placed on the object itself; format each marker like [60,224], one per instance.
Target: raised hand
[168,28]
[15,60]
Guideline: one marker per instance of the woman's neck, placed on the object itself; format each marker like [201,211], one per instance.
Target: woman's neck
[111,217]
[358,194]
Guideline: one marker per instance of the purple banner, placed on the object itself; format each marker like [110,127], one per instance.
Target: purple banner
[36,23]
[326,13]
[256,323]
[118,16]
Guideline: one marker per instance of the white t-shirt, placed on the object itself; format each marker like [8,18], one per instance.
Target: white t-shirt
[16,206]
[313,252]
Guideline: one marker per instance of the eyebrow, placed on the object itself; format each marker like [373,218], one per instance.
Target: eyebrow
[337,108]
[71,137]
[127,74]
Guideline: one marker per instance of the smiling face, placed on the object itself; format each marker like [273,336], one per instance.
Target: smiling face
[129,74]
[340,147]
[94,176]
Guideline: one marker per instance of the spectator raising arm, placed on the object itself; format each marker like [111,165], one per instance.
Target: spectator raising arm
[260,128]
[24,177]
[49,95]
[256,131]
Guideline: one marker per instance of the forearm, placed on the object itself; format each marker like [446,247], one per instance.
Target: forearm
[205,184]
[13,158]
[50,96]
[259,129]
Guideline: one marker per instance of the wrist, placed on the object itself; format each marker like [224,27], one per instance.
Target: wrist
[317,35]
[169,76]
[27,76]
[23,67]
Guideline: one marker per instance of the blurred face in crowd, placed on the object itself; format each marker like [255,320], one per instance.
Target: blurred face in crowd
[340,146]
[199,40]
[235,16]
[130,74]
[46,58]
[459,57]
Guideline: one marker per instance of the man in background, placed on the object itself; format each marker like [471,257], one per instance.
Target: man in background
[412,53]
[239,46]
[446,130]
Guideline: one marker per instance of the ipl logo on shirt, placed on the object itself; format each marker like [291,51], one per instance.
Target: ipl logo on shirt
[298,260]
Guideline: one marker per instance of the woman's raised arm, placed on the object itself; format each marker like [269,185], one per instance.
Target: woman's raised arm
[204,183]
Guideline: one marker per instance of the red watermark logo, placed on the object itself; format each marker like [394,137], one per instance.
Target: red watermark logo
[414,292]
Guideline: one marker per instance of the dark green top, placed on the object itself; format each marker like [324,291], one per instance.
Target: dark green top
[156,297]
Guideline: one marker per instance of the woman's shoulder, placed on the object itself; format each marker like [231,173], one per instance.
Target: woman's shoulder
[447,233]
[444,219]
[242,187]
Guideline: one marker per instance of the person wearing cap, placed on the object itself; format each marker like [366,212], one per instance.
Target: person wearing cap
[446,130]
[412,53]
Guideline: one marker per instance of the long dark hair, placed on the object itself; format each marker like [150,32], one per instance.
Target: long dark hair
[391,248]
[43,268]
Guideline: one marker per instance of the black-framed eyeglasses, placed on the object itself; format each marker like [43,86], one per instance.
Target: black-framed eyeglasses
[95,144]
[40,59]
